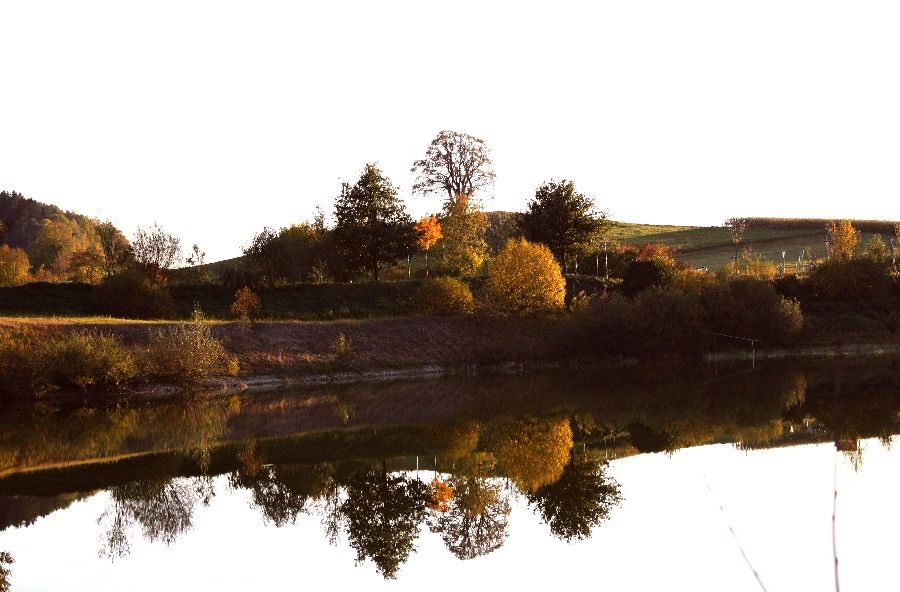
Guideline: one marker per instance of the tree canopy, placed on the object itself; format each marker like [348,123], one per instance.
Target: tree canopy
[563,219]
[372,227]
[455,164]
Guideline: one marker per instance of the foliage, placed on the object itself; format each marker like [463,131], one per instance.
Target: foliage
[455,163]
[502,226]
[196,271]
[751,308]
[641,274]
[563,219]
[383,514]
[14,266]
[525,277]
[844,239]
[440,494]
[341,348]
[246,304]
[155,251]
[463,249]
[429,231]
[188,352]
[852,279]
[579,501]
[876,249]
[114,248]
[89,359]
[445,296]
[131,294]
[293,254]
[737,227]
[753,266]
[372,227]
[533,452]
[67,249]
[6,559]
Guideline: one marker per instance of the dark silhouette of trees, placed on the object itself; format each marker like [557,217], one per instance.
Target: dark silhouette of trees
[291,254]
[456,164]
[281,493]
[563,219]
[383,513]
[579,501]
[372,227]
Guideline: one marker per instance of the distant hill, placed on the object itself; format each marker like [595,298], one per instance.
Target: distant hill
[21,217]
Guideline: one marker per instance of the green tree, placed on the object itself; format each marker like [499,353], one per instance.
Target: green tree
[563,219]
[463,249]
[455,164]
[383,513]
[578,502]
[876,249]
[372,227]
[291,254]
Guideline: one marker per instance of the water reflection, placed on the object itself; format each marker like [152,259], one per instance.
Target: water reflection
[449,458]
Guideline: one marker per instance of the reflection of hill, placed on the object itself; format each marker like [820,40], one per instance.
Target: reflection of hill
[23,510]
[623,411]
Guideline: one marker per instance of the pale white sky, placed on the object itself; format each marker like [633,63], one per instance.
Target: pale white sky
[216,119]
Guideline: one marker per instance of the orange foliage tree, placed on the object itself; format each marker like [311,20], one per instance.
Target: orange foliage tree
[430,232]
[844,238]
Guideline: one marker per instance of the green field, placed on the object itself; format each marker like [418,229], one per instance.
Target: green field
[711,246]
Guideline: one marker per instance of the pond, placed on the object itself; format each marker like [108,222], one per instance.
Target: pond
[629,478]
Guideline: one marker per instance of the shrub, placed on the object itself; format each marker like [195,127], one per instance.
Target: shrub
[852,279]
[751,308]
[88,359]
[188,352]
[132,295]
[525,277]
[668,323]
[341,348]
[651,273]
[444,296]
[752,266]
[14,266]
[246,304]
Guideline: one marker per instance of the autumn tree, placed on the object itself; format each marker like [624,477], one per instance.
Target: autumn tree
[14,266]
[429,231]
[246,304]
[533,452]
[114,247]
[525,277]
[876,249]
[155,251]
[563,219]
[372,227]
[579,501]
[455,164]
[463,249]
[737,227]
[843,239]
[68,249]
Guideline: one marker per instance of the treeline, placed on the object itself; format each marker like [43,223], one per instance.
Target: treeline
[871,226]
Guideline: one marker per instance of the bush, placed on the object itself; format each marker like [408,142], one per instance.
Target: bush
[751,308]
[89,359]
[444,296]
[643,274]
[246,304]
[188,352]
[525,277]
[132,295]
[853,279]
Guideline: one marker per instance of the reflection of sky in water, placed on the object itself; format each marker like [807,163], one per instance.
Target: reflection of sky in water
[668,534]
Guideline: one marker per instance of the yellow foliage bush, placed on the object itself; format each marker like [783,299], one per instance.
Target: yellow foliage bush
[525,277]
[445,296]
[246,304]
[14,266]
[188,352]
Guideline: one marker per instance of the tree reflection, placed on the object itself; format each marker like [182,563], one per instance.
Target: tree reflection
[533,452]
[383,513]
[474,521]
[281,492]
[579,501]
[163,508]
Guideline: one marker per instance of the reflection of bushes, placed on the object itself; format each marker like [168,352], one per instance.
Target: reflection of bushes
[533,452]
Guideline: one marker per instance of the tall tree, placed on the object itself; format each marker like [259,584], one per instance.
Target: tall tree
[463,249]
[844,239]
[114,247]
[455,164]
[372,227]
[737,227]
[155,251]
[563,219]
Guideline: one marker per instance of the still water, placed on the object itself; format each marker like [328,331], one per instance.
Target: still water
[630,479]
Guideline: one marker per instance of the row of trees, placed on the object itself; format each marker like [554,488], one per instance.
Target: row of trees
[372,229]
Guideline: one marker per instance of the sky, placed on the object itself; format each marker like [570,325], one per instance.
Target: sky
[215,119]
